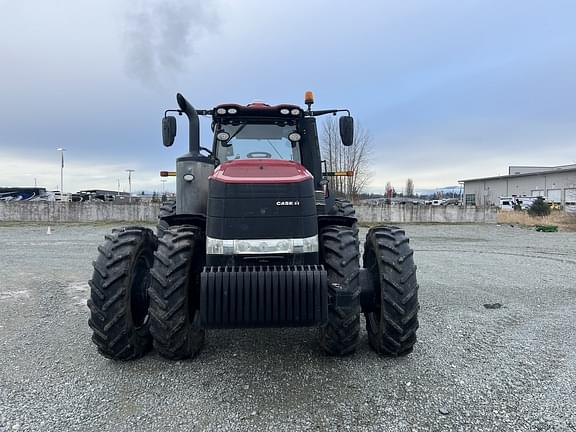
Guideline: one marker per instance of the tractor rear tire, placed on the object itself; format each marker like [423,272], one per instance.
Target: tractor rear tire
[119,293]
[166,209]
[175,293]
[340,335]
[389,260]
[344,207]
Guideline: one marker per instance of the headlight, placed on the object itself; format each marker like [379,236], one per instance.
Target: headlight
[295,111]
[308,244]
[219,246]
[285,111]
[261,246]
[221,111]
[232,110]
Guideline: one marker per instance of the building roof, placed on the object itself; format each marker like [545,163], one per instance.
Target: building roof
[551,171]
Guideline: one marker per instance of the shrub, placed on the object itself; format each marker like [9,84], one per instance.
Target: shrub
[547,228]
[539,208]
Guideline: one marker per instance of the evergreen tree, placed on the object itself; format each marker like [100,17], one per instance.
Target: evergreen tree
[539,208]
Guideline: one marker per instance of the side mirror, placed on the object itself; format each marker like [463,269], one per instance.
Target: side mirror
[347,130]
[168,130]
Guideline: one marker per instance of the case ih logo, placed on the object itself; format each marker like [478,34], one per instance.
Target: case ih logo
[287,203]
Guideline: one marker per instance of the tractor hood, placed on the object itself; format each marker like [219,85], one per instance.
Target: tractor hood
[258,199]
[257,171]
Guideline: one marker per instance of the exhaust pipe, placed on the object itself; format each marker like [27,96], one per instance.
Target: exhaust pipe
[193,122]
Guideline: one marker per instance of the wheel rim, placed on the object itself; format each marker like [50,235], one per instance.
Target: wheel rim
[139,299]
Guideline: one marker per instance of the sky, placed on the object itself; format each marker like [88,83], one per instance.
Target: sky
[447,89]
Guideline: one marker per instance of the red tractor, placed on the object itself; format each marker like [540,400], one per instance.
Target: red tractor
[254,239]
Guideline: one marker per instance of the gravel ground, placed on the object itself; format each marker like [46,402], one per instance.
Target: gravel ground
[512,368]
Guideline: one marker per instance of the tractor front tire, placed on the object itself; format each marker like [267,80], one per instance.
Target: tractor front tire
[175,293]
[389,260]
[166,209]
[339,336]
[119,293]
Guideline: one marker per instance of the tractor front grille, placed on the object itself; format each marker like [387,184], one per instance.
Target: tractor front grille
[263,296]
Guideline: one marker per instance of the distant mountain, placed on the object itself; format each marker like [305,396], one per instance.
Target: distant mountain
[444,189]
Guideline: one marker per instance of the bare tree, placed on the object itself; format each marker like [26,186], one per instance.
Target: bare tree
[355,158]
[409,188]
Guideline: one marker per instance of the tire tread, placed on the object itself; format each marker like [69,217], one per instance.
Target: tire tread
[389,257]
[339,254]
[114,333]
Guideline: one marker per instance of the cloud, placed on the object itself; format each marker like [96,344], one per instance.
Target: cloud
[449,91]
[160,36]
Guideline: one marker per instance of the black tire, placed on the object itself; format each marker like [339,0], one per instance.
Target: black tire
[119,293]
[339,254]
[166,209]
[389,259]
[344,207]
[175,293]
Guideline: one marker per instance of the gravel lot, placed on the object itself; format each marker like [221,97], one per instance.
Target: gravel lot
[512,368]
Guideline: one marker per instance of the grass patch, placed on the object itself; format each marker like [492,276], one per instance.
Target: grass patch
[547,228]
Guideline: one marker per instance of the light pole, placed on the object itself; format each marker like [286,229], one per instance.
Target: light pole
[61,150]
[130,171]
[163,196]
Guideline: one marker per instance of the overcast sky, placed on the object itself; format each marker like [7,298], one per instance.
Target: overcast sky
[448,89]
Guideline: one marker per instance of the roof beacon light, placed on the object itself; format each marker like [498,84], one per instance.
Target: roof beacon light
[308,98]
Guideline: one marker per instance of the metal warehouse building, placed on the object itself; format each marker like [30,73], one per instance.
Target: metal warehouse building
[556,184]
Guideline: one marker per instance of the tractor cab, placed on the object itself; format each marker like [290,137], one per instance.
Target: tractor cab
[256,131]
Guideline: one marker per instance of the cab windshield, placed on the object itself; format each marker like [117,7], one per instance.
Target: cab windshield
[252,141]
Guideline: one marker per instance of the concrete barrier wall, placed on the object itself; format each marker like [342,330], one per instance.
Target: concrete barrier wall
[409,213]
[42,211]
[146,212]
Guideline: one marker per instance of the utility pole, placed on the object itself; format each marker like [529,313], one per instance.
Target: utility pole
[61,150]
[130,171]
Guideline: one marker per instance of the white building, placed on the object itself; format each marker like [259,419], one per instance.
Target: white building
[556,184]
